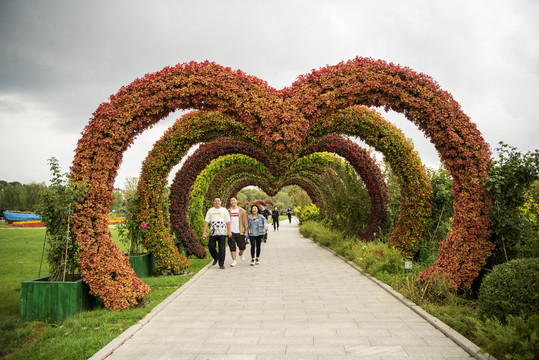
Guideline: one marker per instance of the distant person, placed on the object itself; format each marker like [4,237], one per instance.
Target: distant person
[239,229]
[219,220]
[258,226]
[289,213]
[275,217]
[266,213]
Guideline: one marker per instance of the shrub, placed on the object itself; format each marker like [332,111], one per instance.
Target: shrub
[435,290]
[511,288]
[518,339]
[332,239]
[307,213]
[308,228]
[377,257]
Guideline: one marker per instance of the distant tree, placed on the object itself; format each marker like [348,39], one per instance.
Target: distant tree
[283,199]
[117,203]
[32,195]
[130,186]
[299,196]
[251,195]
[12,197]
[18,197]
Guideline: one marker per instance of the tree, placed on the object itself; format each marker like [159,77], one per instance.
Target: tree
[12,197]
[18,197]
[299,196]
[510,178]
[118,202]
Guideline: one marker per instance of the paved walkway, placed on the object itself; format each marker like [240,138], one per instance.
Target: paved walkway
[301,302]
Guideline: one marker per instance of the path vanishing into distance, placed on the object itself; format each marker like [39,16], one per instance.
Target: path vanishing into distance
[301,302]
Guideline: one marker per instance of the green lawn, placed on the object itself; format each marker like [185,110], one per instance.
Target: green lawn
[79,336]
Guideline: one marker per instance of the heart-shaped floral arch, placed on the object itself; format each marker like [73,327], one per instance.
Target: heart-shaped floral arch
[192,167]
[320,174]
[234,169]
[368,125]
[293,114]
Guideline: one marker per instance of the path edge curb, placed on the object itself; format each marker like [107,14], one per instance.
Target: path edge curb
[460,340]
[108,349]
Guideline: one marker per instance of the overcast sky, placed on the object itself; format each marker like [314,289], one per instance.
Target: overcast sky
[60,59]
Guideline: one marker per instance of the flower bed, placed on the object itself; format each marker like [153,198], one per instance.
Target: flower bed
[30,223]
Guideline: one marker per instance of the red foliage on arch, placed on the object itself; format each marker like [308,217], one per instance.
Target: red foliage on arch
[185,178]
[289,113]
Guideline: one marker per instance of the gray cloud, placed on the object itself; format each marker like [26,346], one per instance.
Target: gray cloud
[60,59]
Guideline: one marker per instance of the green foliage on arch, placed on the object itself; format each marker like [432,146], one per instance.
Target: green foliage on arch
[416,191]
[320,170]
[200,187]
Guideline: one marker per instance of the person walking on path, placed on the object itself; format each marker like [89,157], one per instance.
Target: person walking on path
[266,213]
[239,229]
[275,217]
[258,226]
[219,220]
[289,213]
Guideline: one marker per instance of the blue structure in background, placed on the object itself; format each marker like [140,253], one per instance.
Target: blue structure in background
[13,216]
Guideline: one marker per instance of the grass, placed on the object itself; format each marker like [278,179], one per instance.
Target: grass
[77,337]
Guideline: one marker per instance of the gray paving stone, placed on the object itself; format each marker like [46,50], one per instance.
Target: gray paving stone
[434,352]
[276,349]
[324,349]
[301,302]
[287,357]
[226,357]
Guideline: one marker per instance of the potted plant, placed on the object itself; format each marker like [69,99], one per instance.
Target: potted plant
[62,292]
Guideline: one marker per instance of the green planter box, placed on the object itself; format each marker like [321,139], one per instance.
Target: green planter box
[54,300]
[142,264]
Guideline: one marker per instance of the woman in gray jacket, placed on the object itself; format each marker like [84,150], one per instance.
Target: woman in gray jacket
[258,225]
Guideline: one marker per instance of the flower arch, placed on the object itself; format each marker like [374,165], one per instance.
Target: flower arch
[236,168]
[185,178]
[291,112]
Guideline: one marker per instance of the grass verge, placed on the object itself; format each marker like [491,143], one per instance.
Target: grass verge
[79,336]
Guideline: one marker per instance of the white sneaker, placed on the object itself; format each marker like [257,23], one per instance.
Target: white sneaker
[234,263]
[242,257]
[252,263]
[258,262]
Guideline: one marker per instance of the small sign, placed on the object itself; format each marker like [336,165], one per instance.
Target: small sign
[408,265]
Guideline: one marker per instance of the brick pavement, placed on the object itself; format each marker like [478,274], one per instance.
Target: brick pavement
[301,302]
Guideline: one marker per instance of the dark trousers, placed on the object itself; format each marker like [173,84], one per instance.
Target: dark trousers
[290,218]
[221,241]
[275,223]
[256,243]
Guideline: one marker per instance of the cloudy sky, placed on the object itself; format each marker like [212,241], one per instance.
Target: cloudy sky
[60,59]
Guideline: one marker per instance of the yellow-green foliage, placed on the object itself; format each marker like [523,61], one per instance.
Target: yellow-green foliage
[307,213]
